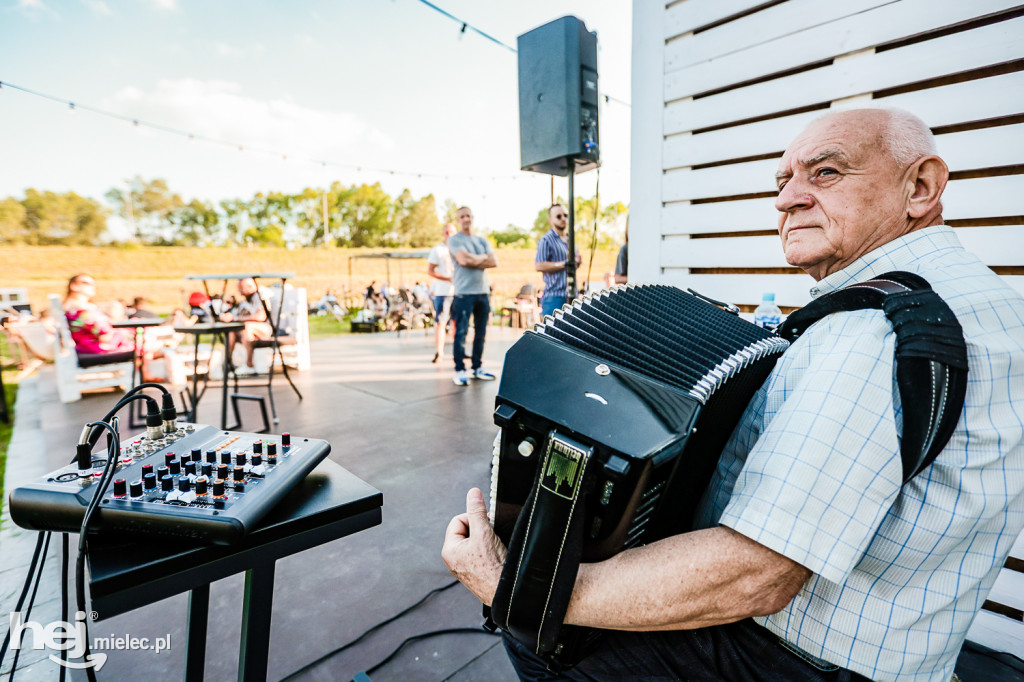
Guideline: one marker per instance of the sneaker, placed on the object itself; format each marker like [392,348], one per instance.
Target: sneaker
[245,371]
[460,378]
[482,375]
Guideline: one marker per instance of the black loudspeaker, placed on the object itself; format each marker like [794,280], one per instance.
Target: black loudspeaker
[558,98]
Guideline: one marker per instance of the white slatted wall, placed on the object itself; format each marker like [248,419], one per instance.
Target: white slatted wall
[720,87]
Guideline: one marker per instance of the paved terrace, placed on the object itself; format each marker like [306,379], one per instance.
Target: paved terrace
[393,419]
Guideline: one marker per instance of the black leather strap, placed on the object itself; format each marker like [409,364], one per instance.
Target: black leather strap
[931,356]
[545,548]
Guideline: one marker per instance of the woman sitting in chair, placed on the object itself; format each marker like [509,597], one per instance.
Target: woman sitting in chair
[249,309]
[91,328]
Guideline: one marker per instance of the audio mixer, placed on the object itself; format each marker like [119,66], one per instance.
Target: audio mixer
[196,483]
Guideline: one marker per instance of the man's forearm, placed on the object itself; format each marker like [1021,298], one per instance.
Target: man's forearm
[549,266]
[693,580]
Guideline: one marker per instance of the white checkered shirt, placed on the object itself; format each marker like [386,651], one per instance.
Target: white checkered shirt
[813,472]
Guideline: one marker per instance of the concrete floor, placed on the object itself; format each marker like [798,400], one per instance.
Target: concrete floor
[393,419]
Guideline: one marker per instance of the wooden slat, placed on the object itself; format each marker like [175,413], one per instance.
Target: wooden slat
[963,199]
[947,105]
[1003,245]
[968,150]
[860,31]
[1008,589]
[981,47]
[769,24]
[692,14]
[998,632]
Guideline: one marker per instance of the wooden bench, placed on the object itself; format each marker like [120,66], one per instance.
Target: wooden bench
[76,374]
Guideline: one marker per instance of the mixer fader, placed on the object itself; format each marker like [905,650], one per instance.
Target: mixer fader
[199,483]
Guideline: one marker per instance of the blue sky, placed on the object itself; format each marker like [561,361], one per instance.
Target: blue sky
[385,84]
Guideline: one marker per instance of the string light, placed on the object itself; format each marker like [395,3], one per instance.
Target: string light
[192,137]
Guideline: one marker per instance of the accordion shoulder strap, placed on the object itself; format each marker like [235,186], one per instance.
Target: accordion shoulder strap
[540,570]
[931,356]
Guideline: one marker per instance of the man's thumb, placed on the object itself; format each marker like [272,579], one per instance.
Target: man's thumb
[475,507]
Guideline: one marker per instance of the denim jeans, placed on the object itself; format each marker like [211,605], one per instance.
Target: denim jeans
[549,304]
[479,306]
[741,651]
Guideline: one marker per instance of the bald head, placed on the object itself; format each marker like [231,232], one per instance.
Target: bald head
[853,181]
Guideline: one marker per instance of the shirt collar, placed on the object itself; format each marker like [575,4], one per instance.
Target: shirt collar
[897,254]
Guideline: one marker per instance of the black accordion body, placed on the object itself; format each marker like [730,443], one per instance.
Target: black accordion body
[613,414]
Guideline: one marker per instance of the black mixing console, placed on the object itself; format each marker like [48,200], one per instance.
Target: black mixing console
[198,483]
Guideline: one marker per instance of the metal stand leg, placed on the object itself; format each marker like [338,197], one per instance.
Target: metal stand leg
[256,612]
[195,637]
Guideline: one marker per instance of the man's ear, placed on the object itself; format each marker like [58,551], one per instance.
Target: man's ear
[926,179]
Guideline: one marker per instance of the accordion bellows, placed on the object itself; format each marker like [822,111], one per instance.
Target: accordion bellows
[614,412]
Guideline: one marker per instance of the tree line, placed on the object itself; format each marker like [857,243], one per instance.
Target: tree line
[356,216]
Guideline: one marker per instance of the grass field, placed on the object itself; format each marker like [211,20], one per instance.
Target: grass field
[158,273]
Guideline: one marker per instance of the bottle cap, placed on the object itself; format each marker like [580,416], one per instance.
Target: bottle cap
[768,296]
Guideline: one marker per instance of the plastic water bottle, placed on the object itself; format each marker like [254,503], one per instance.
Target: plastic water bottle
[767,314]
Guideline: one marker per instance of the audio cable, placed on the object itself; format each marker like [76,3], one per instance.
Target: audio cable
[378,626]
[35,572]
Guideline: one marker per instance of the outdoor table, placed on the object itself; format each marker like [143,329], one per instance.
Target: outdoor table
[127,573]
[274,322]
[135,419]
[217,329]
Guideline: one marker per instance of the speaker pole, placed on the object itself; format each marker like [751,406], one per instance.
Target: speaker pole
[570,262]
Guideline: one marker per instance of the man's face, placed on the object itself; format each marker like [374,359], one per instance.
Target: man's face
[465,219]
[841,194]
[448,231]
[558,217]
[246,286]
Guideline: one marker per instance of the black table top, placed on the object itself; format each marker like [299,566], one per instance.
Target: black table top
[129,572]
[244,275]
[211,328]
[137,322]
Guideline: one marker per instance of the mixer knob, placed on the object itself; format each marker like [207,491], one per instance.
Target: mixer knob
[218,488]
[286,440]
[147,469]
[225,457]
[190,468]
[168,458]
[197,454]
[239,474]
[149,481]
[207,469]
[257,447]
[135,488]
[257,459]
[174,467]
[201,485]
[211,456]
[166,483]
[222,471]
[271,449]
[161,472]
[272,460]
[240,458]
[239,487]
[184,485]
[120,487]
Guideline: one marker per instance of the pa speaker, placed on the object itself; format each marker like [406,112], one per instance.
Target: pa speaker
[558,98]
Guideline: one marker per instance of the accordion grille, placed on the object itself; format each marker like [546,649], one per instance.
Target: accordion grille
[663,333]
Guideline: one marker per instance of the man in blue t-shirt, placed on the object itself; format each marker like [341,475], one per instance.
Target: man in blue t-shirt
[552,255]
[471,256]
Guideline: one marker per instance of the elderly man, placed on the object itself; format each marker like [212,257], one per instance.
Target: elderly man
[812,561]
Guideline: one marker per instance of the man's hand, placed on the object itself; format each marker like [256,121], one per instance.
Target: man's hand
[472,552]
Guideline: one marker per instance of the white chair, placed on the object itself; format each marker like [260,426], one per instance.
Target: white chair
[292,328]
[75,374]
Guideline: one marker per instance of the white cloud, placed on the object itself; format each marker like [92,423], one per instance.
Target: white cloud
[98,6]
[34,8]
[222,111]
[164,4]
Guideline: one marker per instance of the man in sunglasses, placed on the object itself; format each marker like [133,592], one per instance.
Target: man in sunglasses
[552,255]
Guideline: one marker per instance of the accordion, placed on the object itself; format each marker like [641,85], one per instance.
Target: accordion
[613,414]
